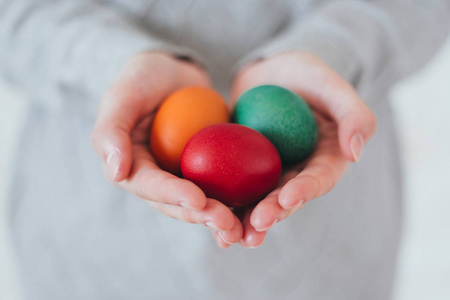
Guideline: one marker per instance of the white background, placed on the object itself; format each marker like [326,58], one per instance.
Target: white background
[422,109]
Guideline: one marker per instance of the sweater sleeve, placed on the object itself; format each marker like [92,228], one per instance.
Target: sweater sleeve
[69,51]
[362,40]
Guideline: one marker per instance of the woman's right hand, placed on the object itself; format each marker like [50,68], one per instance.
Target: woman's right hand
[121,139]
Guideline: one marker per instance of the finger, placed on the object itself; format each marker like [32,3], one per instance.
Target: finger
[119,113]
[252,238]
[269,212]
[214,215]
[148,181]
[113,145]
[220,242]
[338,99]
[356,122]
[232,236]
[318,177]
[355,129]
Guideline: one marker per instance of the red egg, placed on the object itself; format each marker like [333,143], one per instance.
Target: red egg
[231,163]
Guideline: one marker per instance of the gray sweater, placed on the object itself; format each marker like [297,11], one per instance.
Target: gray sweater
[78,237]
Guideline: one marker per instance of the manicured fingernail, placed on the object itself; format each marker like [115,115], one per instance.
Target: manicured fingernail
[244,244]
[211,225]
[267,228]
[254,247]
[223,239]
[291,205]
[112,164]
[356,145]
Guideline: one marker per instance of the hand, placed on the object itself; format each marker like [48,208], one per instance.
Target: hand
[121,139]
[345,125]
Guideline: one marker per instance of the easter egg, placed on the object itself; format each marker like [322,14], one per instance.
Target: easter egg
[180,116]
[283,117]
[231,163]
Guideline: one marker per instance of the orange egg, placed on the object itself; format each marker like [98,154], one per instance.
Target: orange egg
[182,114]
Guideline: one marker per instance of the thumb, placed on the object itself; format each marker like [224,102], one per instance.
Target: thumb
[111,138]
[122,107]
[355,128]
[114,147]
[356,122]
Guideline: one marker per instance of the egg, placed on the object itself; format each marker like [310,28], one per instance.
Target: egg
[283,117]
[180,116]
[231,163]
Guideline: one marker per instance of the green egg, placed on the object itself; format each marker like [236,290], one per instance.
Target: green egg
[283,117]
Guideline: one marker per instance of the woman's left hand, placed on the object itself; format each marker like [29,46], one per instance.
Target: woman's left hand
[345,125]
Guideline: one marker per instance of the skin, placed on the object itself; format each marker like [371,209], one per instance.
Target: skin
[120,137]
[345,125]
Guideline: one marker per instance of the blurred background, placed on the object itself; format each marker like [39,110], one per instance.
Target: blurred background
[422,108]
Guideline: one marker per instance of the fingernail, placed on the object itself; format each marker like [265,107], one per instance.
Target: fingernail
[253,247]
[211,225]
[223,239]
[244,244]
[291,205]
[356,145]
[113,163]
[267,228]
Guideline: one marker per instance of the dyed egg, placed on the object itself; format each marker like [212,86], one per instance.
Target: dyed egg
[181,115]
[232,163]
[283,117]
